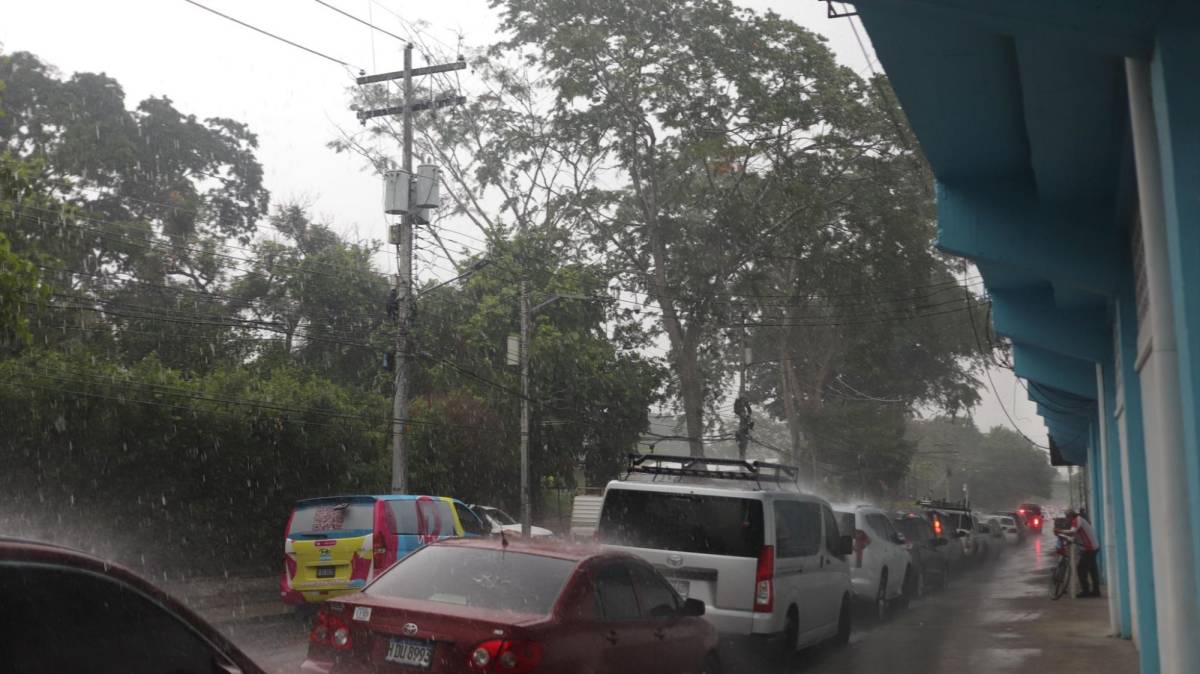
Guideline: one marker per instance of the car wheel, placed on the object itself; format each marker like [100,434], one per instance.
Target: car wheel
[842,637]
[881,602]
[712,664]
[907,589]
[791,635]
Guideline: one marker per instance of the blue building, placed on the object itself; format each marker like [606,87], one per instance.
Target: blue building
[1065,140]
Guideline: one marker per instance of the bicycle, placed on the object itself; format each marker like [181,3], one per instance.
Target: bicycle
[1060,579]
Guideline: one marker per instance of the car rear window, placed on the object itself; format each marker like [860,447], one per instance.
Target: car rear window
[912,528]
[715,525]
[490,579]
[423,516]
[326,517]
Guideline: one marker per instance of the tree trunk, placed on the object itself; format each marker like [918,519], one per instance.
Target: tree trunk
[692,391]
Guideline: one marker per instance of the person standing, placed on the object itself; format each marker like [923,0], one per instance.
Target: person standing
[1089,547]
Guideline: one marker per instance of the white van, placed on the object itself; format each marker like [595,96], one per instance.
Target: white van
[766,559]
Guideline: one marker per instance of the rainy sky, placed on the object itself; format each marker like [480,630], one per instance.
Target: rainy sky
[296,101]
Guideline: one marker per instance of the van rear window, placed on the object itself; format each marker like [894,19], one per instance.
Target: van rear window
[425,516]
[316,519]
[714,525]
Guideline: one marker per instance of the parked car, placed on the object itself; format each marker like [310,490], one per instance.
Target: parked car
[955,522]
[1033,516]
[768,561]
[67,611]
[1012,532]
[929,552]
[500,521]
[489,605]
[336,544]
[989,538]
[881,572]
[1019,521]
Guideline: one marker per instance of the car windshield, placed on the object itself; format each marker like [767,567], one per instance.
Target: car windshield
[715,525]
[481,578]
[500,516]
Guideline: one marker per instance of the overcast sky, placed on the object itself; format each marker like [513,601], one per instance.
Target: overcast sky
[296,101]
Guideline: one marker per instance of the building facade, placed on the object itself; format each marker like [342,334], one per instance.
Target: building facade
[1065,141]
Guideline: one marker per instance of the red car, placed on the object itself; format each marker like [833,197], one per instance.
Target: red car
[1031,514]
[487,605]
[66,611]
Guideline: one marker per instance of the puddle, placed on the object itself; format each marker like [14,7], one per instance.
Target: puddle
[994,617]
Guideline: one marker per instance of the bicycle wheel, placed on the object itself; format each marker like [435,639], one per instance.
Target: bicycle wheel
[1061,578]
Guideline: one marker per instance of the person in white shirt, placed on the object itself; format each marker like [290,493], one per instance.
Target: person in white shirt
[1089,547]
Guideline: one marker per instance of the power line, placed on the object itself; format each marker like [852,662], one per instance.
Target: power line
[362,21]
[270,34]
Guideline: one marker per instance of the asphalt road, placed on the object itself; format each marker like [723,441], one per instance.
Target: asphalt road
[994,620]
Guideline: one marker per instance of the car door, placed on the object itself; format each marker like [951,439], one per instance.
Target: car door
[894,557]
[624,639]
[798,562]
[675,646]
[835,568]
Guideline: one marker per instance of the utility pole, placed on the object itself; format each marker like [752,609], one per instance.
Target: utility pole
[400,198]
[741,406]
[526,320]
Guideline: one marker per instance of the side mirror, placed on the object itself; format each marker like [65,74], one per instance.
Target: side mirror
[845,545]
[692,608]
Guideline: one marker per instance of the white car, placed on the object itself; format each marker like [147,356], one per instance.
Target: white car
[1012,534]
[499,521]
[768,561]
[881,570]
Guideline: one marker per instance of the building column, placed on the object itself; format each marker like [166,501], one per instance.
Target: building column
[1130,432]
[1175,72]
[1114,520]
[1166,464]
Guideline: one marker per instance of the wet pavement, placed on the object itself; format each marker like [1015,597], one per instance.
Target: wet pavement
[995,620]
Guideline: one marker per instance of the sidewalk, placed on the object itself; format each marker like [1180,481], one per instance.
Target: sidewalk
[997,620]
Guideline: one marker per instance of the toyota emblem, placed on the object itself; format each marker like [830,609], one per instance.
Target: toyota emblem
[410,629]
[675,560]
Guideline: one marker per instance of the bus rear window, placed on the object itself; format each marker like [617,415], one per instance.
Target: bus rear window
[714,525]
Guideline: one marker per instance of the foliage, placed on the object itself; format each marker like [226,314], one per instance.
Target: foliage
[174,464]
[1000,468]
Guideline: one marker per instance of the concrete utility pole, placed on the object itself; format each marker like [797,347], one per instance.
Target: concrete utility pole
[403,239]
[741,406]
[526,321]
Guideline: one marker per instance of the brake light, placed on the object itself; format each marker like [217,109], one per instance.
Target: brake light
[504,655]
[1021,511]
[331,630]
[764,581]
[861,541]
[1037,521]
[937,526]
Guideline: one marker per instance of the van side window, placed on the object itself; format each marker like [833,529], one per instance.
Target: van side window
[797,528]
[614,590]
[833,533]
[470,523]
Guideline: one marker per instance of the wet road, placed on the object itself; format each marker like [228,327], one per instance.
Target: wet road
[994,620]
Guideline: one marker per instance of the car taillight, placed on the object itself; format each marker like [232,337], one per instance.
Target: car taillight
[504,655]
[1021,511]
[331,630]
[1037,521]
[861,541]
[764,581]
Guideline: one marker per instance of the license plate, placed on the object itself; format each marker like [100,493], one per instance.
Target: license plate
[410,652]
[326,572]
[681,587]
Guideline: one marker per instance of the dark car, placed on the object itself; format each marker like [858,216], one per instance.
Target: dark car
[1031,516]
[66,611]
[521,606]
[930,552]
[1022,529]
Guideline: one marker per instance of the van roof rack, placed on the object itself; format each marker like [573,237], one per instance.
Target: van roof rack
[942,504]
[699,466]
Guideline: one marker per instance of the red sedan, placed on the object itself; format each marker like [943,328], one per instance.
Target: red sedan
[491,606]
